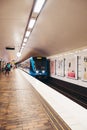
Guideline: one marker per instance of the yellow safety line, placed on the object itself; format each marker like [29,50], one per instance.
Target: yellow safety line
[54,118]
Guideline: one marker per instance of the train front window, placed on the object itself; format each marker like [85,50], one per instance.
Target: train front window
[40,64]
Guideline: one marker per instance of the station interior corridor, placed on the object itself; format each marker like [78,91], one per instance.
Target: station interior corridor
[43,39]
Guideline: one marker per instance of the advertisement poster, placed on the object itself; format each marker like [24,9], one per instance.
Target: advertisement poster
[84,68]
[71,67]
[60,66]
[52,67]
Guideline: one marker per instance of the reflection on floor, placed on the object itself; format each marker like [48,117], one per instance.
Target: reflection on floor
[19,107]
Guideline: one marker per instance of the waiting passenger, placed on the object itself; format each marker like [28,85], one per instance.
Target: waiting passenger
[7,68]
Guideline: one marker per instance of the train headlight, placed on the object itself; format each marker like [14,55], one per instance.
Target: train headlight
[43,71]
[37,71]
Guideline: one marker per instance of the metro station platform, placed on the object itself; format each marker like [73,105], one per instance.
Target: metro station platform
[28,104]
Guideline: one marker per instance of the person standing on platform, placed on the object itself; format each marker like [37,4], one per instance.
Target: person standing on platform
[7,68]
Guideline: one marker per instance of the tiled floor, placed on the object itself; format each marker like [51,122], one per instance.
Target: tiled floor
[19,107]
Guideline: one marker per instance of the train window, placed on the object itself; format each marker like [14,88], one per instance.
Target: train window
[40,64]
[39,57]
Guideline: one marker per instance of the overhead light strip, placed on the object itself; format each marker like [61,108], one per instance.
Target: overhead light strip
[25,39]
[31,23]
[36,9]
[27,34]
[38,6]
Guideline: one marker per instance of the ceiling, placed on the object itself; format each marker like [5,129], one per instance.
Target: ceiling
[61,26]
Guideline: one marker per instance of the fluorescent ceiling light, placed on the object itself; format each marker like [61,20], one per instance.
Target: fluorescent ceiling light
[38,5]
[85,50]
[27,34]
[18,54]
[22,47]
[31,23]
[21,50]
[25,39]
[23,44]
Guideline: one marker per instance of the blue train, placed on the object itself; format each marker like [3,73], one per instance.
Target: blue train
[36,66]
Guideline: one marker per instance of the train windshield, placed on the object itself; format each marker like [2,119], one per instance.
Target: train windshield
[40,64]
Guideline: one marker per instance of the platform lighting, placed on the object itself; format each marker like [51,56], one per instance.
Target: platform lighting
[85,50]
[38,5]
[22,47]
[18,54]
[21,50]
[31,23]
[27,34]
[23,44]
[25,39]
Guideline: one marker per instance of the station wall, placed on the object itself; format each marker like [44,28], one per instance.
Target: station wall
[70,67]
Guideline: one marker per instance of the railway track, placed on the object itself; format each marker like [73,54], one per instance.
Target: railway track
[76,93]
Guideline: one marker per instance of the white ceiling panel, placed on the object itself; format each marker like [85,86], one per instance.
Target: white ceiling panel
[14,16]
[61,26]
